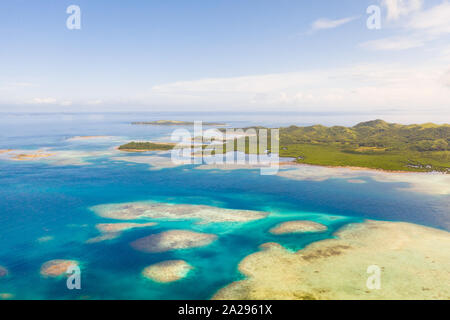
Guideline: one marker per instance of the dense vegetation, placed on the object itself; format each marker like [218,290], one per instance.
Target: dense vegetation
[146,146]
[373,144]
[373,136]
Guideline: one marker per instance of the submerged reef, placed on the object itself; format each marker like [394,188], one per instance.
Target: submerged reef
[3,272]
[173,240]
[56,268]
[6,296]
[299,226]
[155,162]
[44,239]
[167,211]
[167,271]
[412,260]
[56,157]
[111,231]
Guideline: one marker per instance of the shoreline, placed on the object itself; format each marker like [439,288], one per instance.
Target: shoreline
[293,163]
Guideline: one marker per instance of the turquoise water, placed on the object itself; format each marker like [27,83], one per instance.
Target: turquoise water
[40,199]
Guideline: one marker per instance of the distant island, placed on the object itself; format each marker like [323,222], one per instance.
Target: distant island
[374,144]
[175,123]
[146,146]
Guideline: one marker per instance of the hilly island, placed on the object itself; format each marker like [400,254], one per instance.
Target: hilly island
[374,144]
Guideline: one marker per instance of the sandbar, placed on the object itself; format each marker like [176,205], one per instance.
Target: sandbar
[32,156]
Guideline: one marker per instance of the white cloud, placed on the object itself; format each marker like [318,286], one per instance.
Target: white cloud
[66,103]
[446,79]
[44,101]
[21,84]
[50,101]
[95,102]
[16,85]
[324,23]
[434,21]
[355,88]
[417,27]
[399,8]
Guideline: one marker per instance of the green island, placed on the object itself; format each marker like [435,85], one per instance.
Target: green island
[374,144]
[175,123]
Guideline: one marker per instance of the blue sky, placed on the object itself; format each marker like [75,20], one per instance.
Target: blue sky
[225,55]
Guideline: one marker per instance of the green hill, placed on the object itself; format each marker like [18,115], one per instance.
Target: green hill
[373,144]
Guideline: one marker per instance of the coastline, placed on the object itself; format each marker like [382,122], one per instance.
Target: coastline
[293,163]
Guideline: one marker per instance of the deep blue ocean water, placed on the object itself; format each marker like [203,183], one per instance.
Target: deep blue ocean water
[39,199]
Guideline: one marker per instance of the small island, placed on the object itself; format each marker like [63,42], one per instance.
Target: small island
[175,123]
[146,146]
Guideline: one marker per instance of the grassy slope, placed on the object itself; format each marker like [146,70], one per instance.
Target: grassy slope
[329,155]
[374,144]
